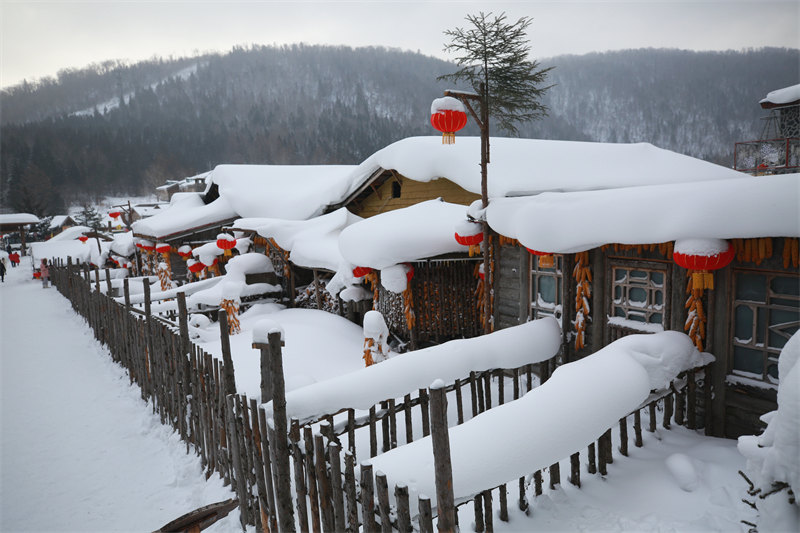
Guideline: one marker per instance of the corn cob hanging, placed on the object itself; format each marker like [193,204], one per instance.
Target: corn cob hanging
[583,276]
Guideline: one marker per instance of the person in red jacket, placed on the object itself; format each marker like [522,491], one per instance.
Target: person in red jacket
[45,273]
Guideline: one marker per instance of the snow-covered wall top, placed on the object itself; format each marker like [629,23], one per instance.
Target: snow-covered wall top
[312,243]
[185,211]
[735,208]
[426,229]
[549,423]
[782,96]
[19,218]
[294,192]
[530,166]
[513,347]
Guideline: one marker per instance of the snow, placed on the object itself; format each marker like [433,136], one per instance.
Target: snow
[57,221]
[447,103]
[186,211]
[513,347]
[294,192]
[123,244]
[684,471]
[80,449]
[312,243]
[731,208]
[417,232]
[395,278]
[782,96]
[622,374]
[263,329]
[701,247]
[18,218]
[530,166]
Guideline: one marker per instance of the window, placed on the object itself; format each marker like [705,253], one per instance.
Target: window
[766,312]
[546,288]
[638,298]
[396,189]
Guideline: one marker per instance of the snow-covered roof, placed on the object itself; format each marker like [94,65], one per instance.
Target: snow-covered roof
[423,230]
[747,207]
[784,96]
[521,167]
[148,210]
[186,211]
[18,218]
[292,192]
[59,220]
[312,243]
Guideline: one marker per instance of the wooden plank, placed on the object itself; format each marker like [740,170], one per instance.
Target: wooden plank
[337,493]
[324,485]
[382,489]
[441,456]
[403,509]
[425,518]
[350,492]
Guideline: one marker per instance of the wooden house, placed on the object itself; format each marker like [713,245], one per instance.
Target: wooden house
[615,273]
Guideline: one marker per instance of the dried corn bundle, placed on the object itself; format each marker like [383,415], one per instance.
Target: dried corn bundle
[372,280]
[164,275]
[791,250]
[754,250]
[508,241]
[583,277]
[408,307]
[231,308]
[368,346]
[696,320]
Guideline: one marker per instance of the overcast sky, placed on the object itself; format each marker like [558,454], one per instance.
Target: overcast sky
[41,37]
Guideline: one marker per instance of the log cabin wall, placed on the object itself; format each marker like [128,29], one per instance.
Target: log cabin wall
[752,311]
[399,191]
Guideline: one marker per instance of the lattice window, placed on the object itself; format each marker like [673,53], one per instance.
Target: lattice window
[766,312]
[546,288]
[639,297]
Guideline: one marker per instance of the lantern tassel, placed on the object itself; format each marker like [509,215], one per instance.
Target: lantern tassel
[449,137]
[227,252]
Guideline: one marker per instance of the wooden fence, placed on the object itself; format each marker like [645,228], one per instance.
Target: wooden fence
[308,472]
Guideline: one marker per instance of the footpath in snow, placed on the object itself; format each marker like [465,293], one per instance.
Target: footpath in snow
[80,450]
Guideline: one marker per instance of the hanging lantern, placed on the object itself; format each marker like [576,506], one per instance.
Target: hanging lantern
[470,234]
[185,251]
[147,246]
[163,248]
[360,272]
[115,215]
[409,272]
[702,256]
[195,266]
[481,273]
[226,243]
[546,260]
[448,115]
[83,238]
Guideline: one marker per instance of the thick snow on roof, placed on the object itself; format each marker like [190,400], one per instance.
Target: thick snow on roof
[736,208]
[622,374]
[312,243]
[293,192]
[58,220]
[783,96]
[424,230]
[186,211]
[529,166]
[19,218]
[513,347]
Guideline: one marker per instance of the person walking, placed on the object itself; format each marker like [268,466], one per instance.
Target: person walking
[45,272]
[2,269]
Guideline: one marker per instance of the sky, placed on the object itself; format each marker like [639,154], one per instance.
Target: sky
[40,37]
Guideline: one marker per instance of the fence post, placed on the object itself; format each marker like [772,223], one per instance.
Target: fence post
[368,499]
[229,380]
[284,485]
[443,470]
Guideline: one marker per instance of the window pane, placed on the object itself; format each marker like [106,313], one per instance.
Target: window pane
[617,293]
[787,286]
[638,275]
[547,289]
[743,325]
[658,297]
[637,297]
[657,278]
[620,274]
[752,287]
[656,318]
[772,372]
[747,360]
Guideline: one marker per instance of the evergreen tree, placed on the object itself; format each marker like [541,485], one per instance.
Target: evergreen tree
[493,60]
[89,216]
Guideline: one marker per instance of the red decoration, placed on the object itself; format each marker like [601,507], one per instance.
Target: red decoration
[448,121]
[83,238]
[37,275]
[225,242]
[469,240]
[360,272]
[703,264]
[409,272]
[114,214]
[184,252]
[163,248]
[195,266]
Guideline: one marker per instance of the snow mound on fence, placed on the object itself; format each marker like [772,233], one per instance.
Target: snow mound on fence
[514,347]
[579,402]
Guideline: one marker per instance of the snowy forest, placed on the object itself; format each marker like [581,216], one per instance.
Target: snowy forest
[126,128]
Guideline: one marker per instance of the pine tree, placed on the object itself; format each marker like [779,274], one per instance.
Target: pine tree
[89,216]
[493,60]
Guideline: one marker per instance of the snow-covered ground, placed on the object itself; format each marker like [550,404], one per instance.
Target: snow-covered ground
[82,452]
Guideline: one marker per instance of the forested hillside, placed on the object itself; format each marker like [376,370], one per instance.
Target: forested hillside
[116,128]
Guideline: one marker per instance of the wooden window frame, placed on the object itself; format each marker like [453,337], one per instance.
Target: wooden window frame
[534,274]
[769,354]
[648,266]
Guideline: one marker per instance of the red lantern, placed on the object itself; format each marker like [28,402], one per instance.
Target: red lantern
[195,266]
[147,246]
[409,272]
[226,242]
[185,251]
[448,116]
[360,272]
[703,263]
[469,240]
[163,248]
[114,214]
[83,238]
[546,260]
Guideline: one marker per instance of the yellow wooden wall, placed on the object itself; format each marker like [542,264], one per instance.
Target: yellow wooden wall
[412,192]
